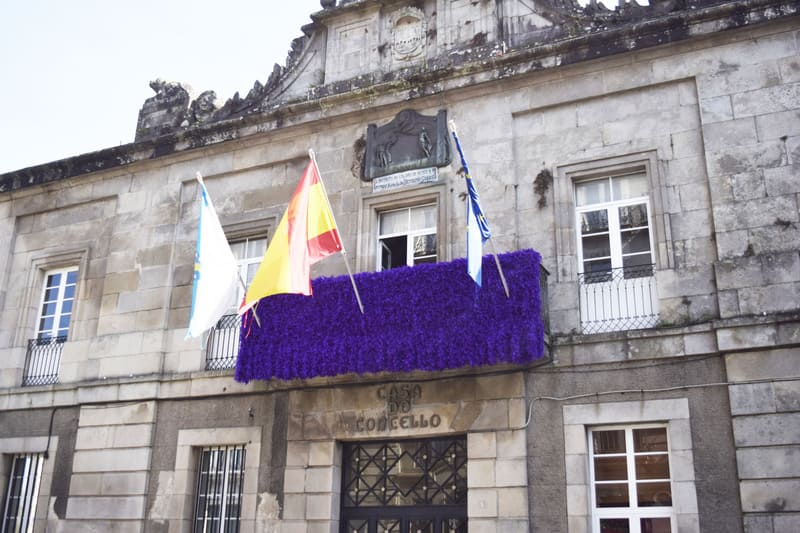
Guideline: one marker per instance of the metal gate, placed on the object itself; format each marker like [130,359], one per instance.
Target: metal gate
[409,486]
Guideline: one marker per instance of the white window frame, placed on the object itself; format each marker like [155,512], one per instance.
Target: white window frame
[672,413]
[614,230]
[633,512]
[243,263]
[372,205]
[408,234]
[52,333]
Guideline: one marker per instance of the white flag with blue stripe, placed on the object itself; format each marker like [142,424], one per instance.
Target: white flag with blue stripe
[216,273]
[477,226]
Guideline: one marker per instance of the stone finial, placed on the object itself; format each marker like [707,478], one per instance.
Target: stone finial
[164,112]
[203,107]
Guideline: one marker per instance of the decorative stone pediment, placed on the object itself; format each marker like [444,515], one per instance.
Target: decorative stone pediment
[408,142]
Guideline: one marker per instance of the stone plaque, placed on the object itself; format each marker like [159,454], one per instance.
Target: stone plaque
[409,178]
[410,141]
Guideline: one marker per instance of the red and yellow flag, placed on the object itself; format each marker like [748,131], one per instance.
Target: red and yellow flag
[306,233]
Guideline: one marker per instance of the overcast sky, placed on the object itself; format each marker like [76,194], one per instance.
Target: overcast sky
[74,73]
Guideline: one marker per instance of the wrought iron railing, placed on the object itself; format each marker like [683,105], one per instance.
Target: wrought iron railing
[618,299]
[223,343]
[42,361]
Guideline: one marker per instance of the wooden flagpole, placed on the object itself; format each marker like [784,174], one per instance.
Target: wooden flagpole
[343,251]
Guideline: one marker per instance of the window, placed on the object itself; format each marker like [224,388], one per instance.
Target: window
[52,327]
[19,507]
[223,342]
[615,253]
[405,486]
[613,222]
[630,478]
[57,299]
[407,236]
[220,478]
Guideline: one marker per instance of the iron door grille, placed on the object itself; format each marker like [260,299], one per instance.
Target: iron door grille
[220,478]
[405,486]
[19,509]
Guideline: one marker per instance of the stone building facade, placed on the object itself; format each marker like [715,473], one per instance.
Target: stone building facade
[649,154]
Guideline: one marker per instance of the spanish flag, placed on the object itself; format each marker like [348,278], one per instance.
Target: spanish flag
[306,233]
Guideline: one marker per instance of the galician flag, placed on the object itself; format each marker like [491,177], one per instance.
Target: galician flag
[477,226]
[306,233]
[215,270]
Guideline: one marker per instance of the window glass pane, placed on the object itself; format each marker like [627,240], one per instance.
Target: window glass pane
[631,186]
[610,468]
[633,216]
[72,277]
[612,495]
[393,252]
[612,441]
[69,292]
[638,266]
[614,525]
[654,494]
[421,526]
[650,440]
[423,217]
[388,526]
[51,295]
[53,280]
[596,246]
[592,192]
[238,249]
[256,248]
[394,222]
[424,245]
[637,240]
[66,307]
[49,309]
[46,324]
[652,466]
[594,221]
[655,525]
[63,323]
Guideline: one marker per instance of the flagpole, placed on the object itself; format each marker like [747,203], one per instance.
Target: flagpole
[343,251]
[452,126]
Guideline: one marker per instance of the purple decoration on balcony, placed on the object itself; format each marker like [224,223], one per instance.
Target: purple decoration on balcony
[428,317]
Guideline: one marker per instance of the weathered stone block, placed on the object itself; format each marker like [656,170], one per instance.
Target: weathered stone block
[787,396]
[738,132]
[481,445]
[482,503]
[716,109]
[511,473]
[512,502]
[748,186]
[120,508]
[767,430]
[773,496]
[768,462]
[481,473]
[752,398]
[728,161]
[768,100]
[757,365]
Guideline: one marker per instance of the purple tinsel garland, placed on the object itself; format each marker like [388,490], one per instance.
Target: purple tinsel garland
[427,317]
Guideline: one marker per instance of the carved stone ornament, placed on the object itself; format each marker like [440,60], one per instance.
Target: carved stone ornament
[409,29]
[408,142]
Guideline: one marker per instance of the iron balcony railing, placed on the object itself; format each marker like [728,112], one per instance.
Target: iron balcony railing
[618,299]
[223,343]
[42,361]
